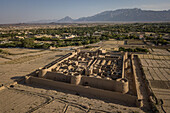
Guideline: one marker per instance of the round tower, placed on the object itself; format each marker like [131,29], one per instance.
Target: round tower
[76,79]
[42,73]
[123,85]
[78,50]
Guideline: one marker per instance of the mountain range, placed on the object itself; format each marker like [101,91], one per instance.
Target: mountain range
[122,15]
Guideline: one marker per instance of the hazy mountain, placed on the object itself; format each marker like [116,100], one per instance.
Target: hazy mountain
[129,15]
[122,15]
[66,19]
[63,20]
[44,21]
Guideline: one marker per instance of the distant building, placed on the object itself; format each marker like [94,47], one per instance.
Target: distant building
[141,36]
[43,35]
[69,37]
[19,37]
[97,34]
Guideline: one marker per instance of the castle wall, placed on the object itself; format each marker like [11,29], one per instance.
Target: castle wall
[123,67]
[134,73]
[98,83]
[138,88]
[58,77]
[65,57]
[105,84]
[107,58]
[128,99]
[124,64]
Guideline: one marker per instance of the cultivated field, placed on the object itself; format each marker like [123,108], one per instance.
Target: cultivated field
[160,52]
[156,67]
[134,42]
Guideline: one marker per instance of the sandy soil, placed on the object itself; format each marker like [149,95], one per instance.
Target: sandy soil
[13,101]
[20,50]
[66,101]
[23,65]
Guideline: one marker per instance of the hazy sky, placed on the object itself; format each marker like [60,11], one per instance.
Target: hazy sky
[16,11]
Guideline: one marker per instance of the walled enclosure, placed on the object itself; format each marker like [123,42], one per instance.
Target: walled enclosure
[99,70]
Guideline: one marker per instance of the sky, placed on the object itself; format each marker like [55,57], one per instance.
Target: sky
[19,11]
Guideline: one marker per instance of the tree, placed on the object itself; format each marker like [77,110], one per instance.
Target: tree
[45,46]
[27,43]
[87,42]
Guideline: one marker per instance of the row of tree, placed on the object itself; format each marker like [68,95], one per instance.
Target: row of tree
[81,31]
[30,42]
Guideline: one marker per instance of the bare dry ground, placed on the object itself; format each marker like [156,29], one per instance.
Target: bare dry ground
[21,98]
[20,65]
[156,67]
[59,101]
[13,101]
[135,42]
[110,44]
